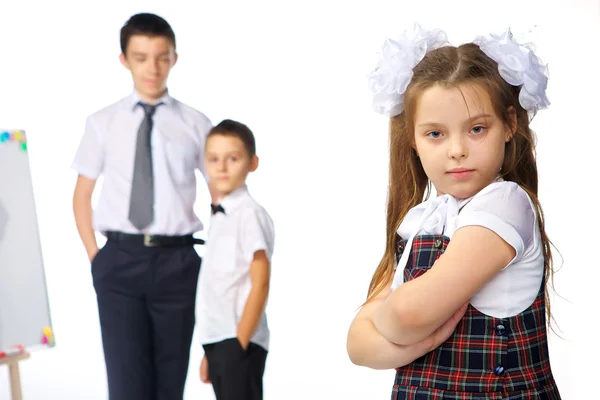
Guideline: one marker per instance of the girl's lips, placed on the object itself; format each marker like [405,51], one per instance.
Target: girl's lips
[460,173]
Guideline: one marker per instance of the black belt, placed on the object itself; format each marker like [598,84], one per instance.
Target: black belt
[154,240]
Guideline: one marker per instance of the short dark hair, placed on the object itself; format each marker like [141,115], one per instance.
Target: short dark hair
[148,25]
[236,129]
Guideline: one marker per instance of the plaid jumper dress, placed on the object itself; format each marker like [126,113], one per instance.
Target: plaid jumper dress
[486,358]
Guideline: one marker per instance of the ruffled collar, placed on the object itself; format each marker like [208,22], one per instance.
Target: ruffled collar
[436,216]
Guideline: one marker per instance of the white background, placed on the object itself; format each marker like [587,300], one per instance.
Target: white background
[295,73]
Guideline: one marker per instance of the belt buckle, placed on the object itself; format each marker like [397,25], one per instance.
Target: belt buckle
[148,240]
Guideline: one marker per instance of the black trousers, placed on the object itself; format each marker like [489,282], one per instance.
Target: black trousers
[235,373]
[146,304]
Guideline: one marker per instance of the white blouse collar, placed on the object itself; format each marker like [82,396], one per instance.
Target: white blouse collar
[436,216]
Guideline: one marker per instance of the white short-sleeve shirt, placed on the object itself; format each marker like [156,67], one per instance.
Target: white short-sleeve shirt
[224,283]
[506,209]
[108,149]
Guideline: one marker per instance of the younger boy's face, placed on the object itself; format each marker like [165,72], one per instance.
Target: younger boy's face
[227,163]
[150,59]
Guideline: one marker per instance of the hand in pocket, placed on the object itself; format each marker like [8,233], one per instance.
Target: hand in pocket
[92,254]
[204,370]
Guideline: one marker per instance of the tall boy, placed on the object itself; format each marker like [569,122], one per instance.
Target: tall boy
[234,283]
[147,146]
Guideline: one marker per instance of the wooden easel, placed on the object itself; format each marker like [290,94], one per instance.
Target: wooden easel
[13,372]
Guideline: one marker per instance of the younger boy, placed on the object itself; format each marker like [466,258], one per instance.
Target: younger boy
[234,282]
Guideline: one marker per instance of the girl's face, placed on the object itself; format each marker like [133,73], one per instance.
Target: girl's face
[459,138]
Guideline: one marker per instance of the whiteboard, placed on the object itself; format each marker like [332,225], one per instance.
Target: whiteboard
[24,307]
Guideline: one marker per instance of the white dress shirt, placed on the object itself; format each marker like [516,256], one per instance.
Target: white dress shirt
[108,148]
[506,209]
[224,283]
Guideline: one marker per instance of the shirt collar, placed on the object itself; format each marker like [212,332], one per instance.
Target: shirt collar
[436,216]
[135,98]
[234,199]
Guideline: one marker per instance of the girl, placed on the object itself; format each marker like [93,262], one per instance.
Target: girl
[458,302]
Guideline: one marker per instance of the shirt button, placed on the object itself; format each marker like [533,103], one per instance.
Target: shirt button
[438,243]
[500,330]
[498,370]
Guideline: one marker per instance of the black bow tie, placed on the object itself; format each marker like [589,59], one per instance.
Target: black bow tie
[217,208]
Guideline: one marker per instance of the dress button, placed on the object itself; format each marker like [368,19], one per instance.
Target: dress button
[500,330]
[498,370]
[438,243]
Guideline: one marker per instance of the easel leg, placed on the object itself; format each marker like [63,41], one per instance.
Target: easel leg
[14,375]
[15,381]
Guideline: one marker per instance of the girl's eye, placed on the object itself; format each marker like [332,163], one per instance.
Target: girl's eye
[478,130]
[434,134]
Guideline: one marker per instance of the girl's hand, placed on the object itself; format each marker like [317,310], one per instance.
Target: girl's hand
[204,370]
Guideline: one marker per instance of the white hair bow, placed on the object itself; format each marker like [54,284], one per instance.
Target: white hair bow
[517,64]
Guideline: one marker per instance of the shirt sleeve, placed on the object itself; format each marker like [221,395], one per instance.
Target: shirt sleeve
[506,209]
[257,233]
[89,158]
[204,128]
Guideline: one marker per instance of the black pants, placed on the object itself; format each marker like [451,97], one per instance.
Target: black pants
[146,303]
[235,373]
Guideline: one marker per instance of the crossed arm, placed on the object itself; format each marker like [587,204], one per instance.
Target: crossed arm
[419,307]
[398,327]
[369,348]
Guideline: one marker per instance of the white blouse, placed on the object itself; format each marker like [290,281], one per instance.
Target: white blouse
[503,207]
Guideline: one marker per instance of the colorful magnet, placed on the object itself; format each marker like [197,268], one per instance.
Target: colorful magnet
[17,136]
[47,336]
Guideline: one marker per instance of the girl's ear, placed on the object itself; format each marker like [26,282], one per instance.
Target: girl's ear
[511,128]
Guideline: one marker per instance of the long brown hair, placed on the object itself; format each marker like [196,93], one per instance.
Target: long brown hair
[408,183]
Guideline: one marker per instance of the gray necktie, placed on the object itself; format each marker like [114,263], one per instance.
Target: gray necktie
[141,203]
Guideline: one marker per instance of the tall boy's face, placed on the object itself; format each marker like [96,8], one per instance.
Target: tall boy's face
[227,163]
[150,59]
